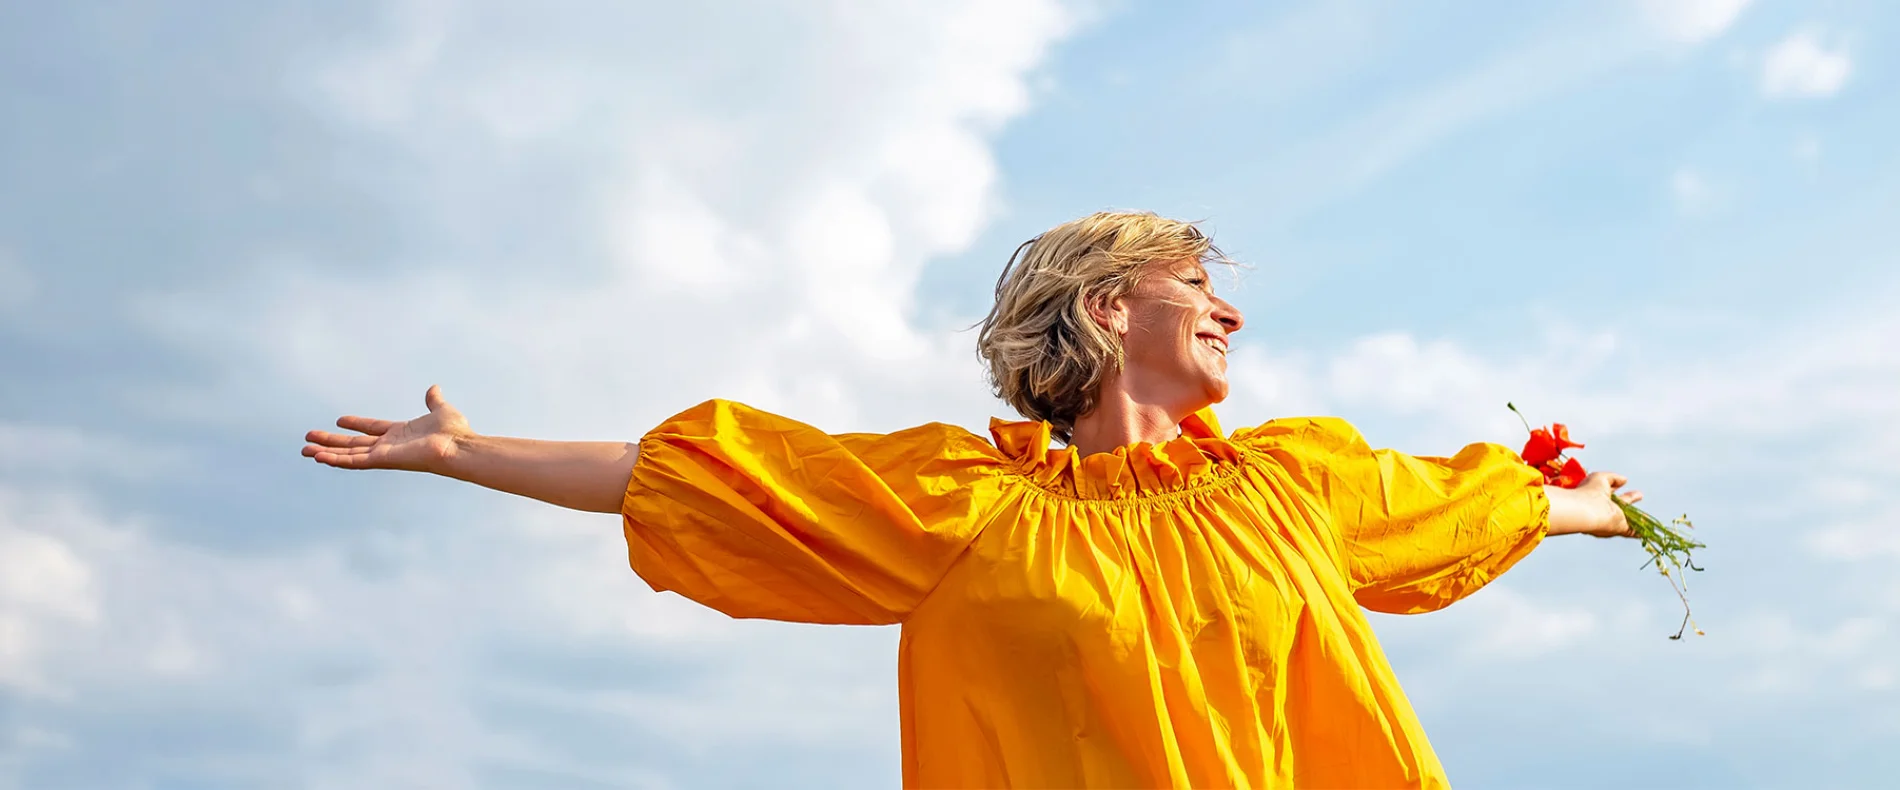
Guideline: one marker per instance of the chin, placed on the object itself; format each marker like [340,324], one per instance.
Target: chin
[1214,389]
[1216,385]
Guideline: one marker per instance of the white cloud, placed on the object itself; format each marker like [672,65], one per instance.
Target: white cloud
[1802,420]
[94,612]
[43,451]
[1800,66]
[1301,50]
[1516,627]
[1813,655]
[1776,439]
[1877,540]
[751,212]
[745,232]
[1807,148]
[1443,385]
[175,653]
[1693,194]
[1394,372]
[46,589]
[1363,148]
[1816,379]
[759,247]
[1691,21]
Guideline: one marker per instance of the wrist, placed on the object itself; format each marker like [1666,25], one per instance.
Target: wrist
[453,453]
[1574,512]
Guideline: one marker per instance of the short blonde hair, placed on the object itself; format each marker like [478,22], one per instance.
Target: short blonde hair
[1047,355]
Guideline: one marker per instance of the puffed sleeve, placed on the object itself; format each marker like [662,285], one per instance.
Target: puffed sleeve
[1415,533]
[759,516]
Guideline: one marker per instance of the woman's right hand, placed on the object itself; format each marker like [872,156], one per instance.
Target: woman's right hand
[1588,508]
[423,444]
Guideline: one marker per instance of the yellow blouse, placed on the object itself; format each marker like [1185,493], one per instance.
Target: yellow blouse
[1184,614]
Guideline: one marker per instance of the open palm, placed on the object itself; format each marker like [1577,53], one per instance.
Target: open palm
[419,445]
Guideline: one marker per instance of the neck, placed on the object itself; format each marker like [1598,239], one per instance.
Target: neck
[1120,419]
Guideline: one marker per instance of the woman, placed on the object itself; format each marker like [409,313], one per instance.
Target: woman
[1154,604]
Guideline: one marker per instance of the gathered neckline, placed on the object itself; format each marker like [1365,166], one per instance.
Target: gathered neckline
[1199,455]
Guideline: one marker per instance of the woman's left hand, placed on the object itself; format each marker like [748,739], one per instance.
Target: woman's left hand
[1588,509]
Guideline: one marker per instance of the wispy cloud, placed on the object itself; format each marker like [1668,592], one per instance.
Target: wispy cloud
[1514,627]
[1692,193]
[1807,148]
[1339,161]
[45,589]
[1803,66]
[1691,21]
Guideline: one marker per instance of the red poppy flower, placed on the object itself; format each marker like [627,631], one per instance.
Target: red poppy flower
[1570,476]
[1541,448]
[1545,450]
[1561,434]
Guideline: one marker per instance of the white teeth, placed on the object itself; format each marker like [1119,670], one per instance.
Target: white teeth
[1218,346]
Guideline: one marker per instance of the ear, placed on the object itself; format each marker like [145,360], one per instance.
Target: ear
[1110,313]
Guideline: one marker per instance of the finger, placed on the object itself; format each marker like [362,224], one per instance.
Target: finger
[329,439]
[1615,480]
[348,459]
[367,425]
[333,459]
[433,398]
[314,449]
[1632,497]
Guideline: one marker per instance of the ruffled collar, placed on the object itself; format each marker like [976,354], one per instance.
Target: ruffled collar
[1193,458]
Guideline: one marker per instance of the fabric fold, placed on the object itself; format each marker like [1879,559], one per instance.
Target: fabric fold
[1179,464]
[1179,614]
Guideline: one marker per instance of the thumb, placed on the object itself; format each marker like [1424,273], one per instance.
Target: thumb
[433,398]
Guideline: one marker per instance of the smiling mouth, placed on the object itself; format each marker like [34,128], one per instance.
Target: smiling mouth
[1219,344]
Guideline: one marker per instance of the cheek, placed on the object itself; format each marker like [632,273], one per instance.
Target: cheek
[1162,318]
[1160,333]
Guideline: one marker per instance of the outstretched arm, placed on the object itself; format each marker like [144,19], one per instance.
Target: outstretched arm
[590,476]
[1587,509]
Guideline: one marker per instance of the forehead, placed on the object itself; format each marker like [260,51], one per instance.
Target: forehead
[1188,266]
[1161,277]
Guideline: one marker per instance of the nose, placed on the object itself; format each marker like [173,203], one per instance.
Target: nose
[1228,315]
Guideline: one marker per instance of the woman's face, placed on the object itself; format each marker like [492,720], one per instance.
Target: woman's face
[1174,338]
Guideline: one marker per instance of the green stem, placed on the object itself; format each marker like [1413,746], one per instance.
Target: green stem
[1520,416]
[1669,548]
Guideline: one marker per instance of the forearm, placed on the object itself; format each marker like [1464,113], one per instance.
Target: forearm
[590,476]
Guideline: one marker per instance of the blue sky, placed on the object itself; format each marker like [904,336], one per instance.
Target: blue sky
[1669,224]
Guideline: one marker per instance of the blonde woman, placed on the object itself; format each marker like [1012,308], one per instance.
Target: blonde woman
[1153,603]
